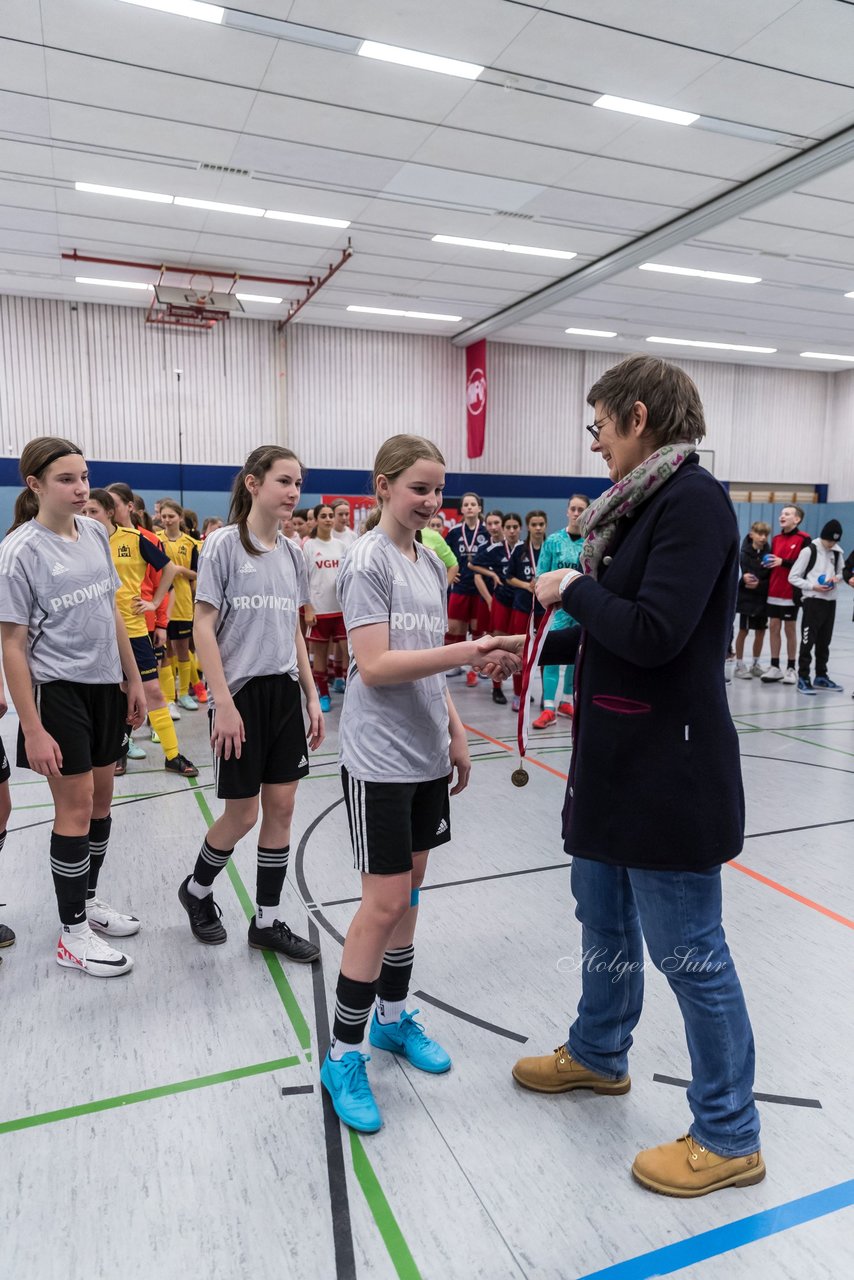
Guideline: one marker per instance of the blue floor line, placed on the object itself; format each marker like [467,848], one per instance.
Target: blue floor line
[673,1257]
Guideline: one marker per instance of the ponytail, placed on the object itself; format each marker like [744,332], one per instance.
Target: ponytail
[396,455]
[26,509]
[257,464]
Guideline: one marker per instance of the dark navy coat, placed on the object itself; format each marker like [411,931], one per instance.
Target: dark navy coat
[655,776]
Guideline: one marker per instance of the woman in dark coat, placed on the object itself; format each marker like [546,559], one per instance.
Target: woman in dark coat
[654,802]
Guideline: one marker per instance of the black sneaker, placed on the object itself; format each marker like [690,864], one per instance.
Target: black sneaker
[7,937]
[204,914]
[180,764]
[279,938]
[498,696]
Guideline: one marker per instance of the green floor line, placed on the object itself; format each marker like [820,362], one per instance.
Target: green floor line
[145,1095]
[822,746]
[779,711]
[818,724]
[398,1250]
[289,1000]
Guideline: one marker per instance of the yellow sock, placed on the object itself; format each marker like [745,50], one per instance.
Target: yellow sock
[183,678]
[161,721]
[173,662]
[166,680]
[195,675]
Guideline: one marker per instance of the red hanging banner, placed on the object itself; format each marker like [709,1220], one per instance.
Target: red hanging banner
[476,398]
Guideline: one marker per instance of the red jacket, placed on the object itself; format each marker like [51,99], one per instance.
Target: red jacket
[150,583]
[788,547]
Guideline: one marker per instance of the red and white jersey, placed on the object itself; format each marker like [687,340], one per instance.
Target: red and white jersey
[323,560]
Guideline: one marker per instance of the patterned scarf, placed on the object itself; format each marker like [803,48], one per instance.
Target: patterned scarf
[599,522]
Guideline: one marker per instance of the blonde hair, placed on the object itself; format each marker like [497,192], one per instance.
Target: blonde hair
[759,526]
[396,455]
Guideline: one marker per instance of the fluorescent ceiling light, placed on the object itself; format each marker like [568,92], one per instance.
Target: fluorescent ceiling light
[258,297]
[410,315]
[825,355]
[425,61]
[500,247]
[112,284]
[95,188]
[306,217]
[693,271]
[184,8]
[849,295]
[216,206]
[593,333]
[717,346]
[646,109]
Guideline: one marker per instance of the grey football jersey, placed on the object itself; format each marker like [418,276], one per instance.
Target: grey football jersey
[395,732]
[258,598]
[65,592]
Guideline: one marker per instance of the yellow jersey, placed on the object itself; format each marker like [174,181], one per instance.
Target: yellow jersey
[132,554]
[184,552]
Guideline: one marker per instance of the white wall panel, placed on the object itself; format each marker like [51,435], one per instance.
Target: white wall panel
[100,375]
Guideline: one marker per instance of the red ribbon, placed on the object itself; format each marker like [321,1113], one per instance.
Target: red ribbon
[534,641]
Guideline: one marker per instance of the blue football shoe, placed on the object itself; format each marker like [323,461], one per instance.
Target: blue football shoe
[406,1037]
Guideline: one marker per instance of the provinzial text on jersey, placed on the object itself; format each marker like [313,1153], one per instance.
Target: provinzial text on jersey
[96,589]
[285,603]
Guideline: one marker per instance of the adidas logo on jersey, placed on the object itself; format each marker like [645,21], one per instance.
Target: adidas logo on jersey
[303,762]
[442,827]
[398,582]
[247,567]
[58,569]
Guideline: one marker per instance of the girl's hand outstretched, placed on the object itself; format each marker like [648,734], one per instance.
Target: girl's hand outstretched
[228,734]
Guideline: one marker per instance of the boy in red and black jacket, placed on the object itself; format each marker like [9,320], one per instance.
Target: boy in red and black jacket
[786,546]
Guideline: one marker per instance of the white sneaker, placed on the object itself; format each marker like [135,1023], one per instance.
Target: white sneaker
[772,674]
[106,919]
[87,951]
[742,672]
[791,676]
[172,708]
[135,752]
[757,670]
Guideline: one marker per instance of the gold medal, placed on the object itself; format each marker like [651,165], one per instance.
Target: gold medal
[519,777]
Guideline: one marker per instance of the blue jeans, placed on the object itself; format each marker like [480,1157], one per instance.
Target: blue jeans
[678,913]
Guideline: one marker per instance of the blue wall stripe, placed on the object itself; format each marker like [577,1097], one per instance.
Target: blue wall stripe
[709,1244]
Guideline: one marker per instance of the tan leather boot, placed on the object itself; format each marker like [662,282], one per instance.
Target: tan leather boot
[557,1073]
[686,1168]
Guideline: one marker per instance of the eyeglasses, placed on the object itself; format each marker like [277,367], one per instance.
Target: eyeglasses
[595,428]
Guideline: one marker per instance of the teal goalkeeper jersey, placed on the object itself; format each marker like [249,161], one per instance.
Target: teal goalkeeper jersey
[560,551]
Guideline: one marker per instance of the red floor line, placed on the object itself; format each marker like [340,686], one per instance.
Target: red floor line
[736,866]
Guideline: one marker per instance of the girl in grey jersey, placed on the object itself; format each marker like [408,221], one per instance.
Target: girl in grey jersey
[250,586]
[401,743]
[64,649]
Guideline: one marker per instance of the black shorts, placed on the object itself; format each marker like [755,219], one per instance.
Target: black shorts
[146,658]
[179,630]
[275,749]
[785,612]
[753,622]
[5,771]
[87,721]
[389,821]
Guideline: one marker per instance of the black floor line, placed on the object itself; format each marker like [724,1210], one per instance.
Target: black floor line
[339,1200]
[469,1017]
[450,884]
[810,764]
[318,916]
[760,1097]
[297,1088]
[812,826]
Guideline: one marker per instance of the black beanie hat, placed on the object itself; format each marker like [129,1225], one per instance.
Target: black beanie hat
[832,531]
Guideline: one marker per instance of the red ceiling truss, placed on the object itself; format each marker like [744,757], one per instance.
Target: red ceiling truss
[195,302]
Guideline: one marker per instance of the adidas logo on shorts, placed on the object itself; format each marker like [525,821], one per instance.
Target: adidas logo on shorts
[58,569]
[302,763]
[247,567]
[442,827]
